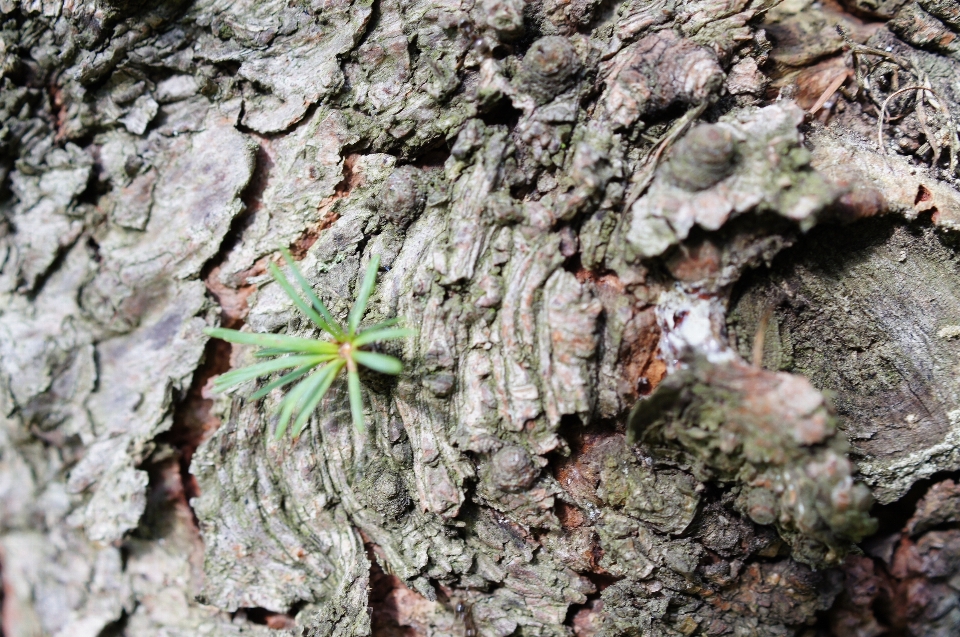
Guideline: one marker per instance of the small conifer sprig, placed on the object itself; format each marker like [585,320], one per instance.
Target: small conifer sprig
[319,361]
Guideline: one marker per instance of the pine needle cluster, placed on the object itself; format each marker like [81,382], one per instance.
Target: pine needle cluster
[316,364]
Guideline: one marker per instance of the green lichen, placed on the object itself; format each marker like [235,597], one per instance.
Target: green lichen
[773,437]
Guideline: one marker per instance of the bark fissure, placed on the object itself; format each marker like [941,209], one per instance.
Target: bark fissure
[562,196]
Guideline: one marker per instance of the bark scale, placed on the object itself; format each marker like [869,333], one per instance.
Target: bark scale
[656,382]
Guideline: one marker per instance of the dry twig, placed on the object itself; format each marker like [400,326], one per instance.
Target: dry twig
[921,84]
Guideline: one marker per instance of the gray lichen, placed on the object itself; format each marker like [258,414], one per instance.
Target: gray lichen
[751,161]
[561,195]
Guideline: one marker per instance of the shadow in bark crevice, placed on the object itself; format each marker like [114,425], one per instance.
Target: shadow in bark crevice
[893,517]
[383,604]
[270,619]
[865,311]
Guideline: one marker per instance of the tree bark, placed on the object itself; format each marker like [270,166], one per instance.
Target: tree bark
[683,276]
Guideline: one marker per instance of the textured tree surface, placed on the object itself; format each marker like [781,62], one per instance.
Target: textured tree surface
[686,291]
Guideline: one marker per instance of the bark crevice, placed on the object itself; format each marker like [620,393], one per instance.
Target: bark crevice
[564,198]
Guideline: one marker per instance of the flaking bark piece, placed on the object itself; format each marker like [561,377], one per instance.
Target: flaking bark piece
[45,212]
[916,26]
[752,160]
[939,507]
[299,173]
[299,68]
[656,72]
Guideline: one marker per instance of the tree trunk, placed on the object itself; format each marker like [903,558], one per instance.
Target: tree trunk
[683,276]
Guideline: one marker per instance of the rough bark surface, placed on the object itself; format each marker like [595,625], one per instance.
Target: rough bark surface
[666,353]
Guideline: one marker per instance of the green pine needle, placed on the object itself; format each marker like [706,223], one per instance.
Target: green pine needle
[320,361]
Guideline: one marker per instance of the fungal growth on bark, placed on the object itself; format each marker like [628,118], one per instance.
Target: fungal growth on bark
[682,284]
